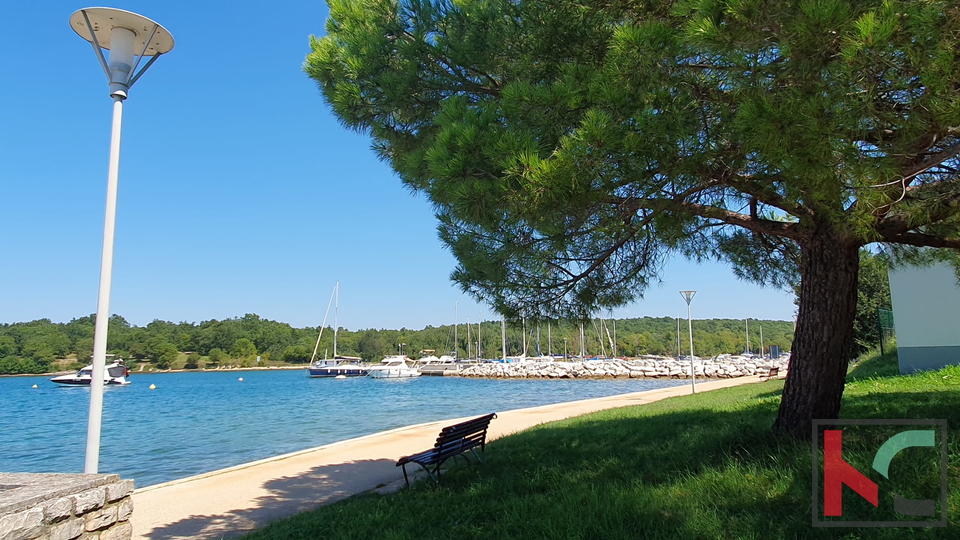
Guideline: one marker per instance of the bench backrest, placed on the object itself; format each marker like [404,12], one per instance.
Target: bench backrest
[463,436]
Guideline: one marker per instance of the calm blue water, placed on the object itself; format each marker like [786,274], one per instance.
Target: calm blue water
[199,422]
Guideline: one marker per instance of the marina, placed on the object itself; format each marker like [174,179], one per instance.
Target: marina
[196,422]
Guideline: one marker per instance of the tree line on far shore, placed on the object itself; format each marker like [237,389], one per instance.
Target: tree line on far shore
[36,346]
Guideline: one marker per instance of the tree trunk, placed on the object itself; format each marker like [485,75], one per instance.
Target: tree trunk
[829,267]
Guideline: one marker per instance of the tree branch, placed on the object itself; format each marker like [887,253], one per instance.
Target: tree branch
[922,240]
[936,159]
[775,228]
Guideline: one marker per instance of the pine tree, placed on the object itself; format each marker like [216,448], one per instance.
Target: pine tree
[571,147]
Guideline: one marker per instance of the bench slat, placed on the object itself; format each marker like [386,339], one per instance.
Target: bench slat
[452,441]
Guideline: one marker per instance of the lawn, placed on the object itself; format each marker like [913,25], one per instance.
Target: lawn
[694,467]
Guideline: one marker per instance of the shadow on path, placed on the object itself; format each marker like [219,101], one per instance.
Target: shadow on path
[287,496]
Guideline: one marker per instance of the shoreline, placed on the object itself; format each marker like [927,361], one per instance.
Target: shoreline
[234,500]
[155,372]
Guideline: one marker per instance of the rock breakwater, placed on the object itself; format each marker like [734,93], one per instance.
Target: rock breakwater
[633,369]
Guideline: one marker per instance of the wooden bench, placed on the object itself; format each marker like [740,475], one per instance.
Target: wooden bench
[773,374]
[453,441]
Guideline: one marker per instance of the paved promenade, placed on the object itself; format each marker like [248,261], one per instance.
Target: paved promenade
[232,501]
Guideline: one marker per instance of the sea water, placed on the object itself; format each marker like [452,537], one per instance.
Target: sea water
[198,422]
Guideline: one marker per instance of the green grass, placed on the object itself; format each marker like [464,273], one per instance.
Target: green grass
[697,467]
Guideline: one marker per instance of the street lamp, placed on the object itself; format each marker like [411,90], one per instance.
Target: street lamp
[688,296]
[129,38]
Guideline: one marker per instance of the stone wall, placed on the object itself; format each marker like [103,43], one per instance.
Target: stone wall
[604,369]
[65,507]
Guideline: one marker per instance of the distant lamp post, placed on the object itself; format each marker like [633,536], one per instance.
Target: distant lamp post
[688,296]
[129,38]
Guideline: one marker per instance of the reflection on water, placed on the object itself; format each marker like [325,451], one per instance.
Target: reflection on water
[199,422]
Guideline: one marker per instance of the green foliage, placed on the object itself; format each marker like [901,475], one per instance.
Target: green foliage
[8,346]
[166,360]
[296,354]
[193,361]
[158,347]
[11,365]
[873,293]
[372,346]
[243,348]
[84,348]
[216,356]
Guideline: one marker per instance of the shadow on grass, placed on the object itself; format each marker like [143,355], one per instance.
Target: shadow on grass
[874,365]
[704,466]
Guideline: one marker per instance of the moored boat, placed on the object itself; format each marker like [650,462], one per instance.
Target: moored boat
[114,373]
[393,367]
[444,365]
[345,366]
[341,365]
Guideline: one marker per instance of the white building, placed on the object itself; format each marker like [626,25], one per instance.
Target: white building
[926,312]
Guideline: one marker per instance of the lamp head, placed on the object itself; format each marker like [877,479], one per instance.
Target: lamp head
[688,295]
[127,36]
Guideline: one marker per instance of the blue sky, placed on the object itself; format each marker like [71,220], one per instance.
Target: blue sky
[239,191]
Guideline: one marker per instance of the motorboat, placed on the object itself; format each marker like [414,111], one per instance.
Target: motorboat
[114,373]
[444,365]
[393,367]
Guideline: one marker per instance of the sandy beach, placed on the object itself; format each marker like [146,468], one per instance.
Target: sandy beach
[231,501]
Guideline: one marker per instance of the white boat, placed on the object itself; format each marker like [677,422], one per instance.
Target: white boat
[431,365]
[340,365]
[114,373]
[393,367]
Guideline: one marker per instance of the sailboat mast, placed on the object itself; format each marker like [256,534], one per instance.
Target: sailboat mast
[583,349]
[678,337]
[523,327]
[549,341]
[503,336]
[539,352]
[323,325]
[746,323]
[469,343]
[479,354]
[456,326]
[603,352]
[761,341]
[614,338]
[336,319]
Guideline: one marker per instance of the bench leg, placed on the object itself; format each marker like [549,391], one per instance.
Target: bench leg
[478,455]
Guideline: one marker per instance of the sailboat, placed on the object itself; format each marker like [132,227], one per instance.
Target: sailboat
[340,365]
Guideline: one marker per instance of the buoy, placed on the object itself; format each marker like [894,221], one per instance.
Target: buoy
[240,379]
[340,377]
[153,387]
[35,386]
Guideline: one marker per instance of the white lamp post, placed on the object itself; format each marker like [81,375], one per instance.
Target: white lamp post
[129,38]
[688,296]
